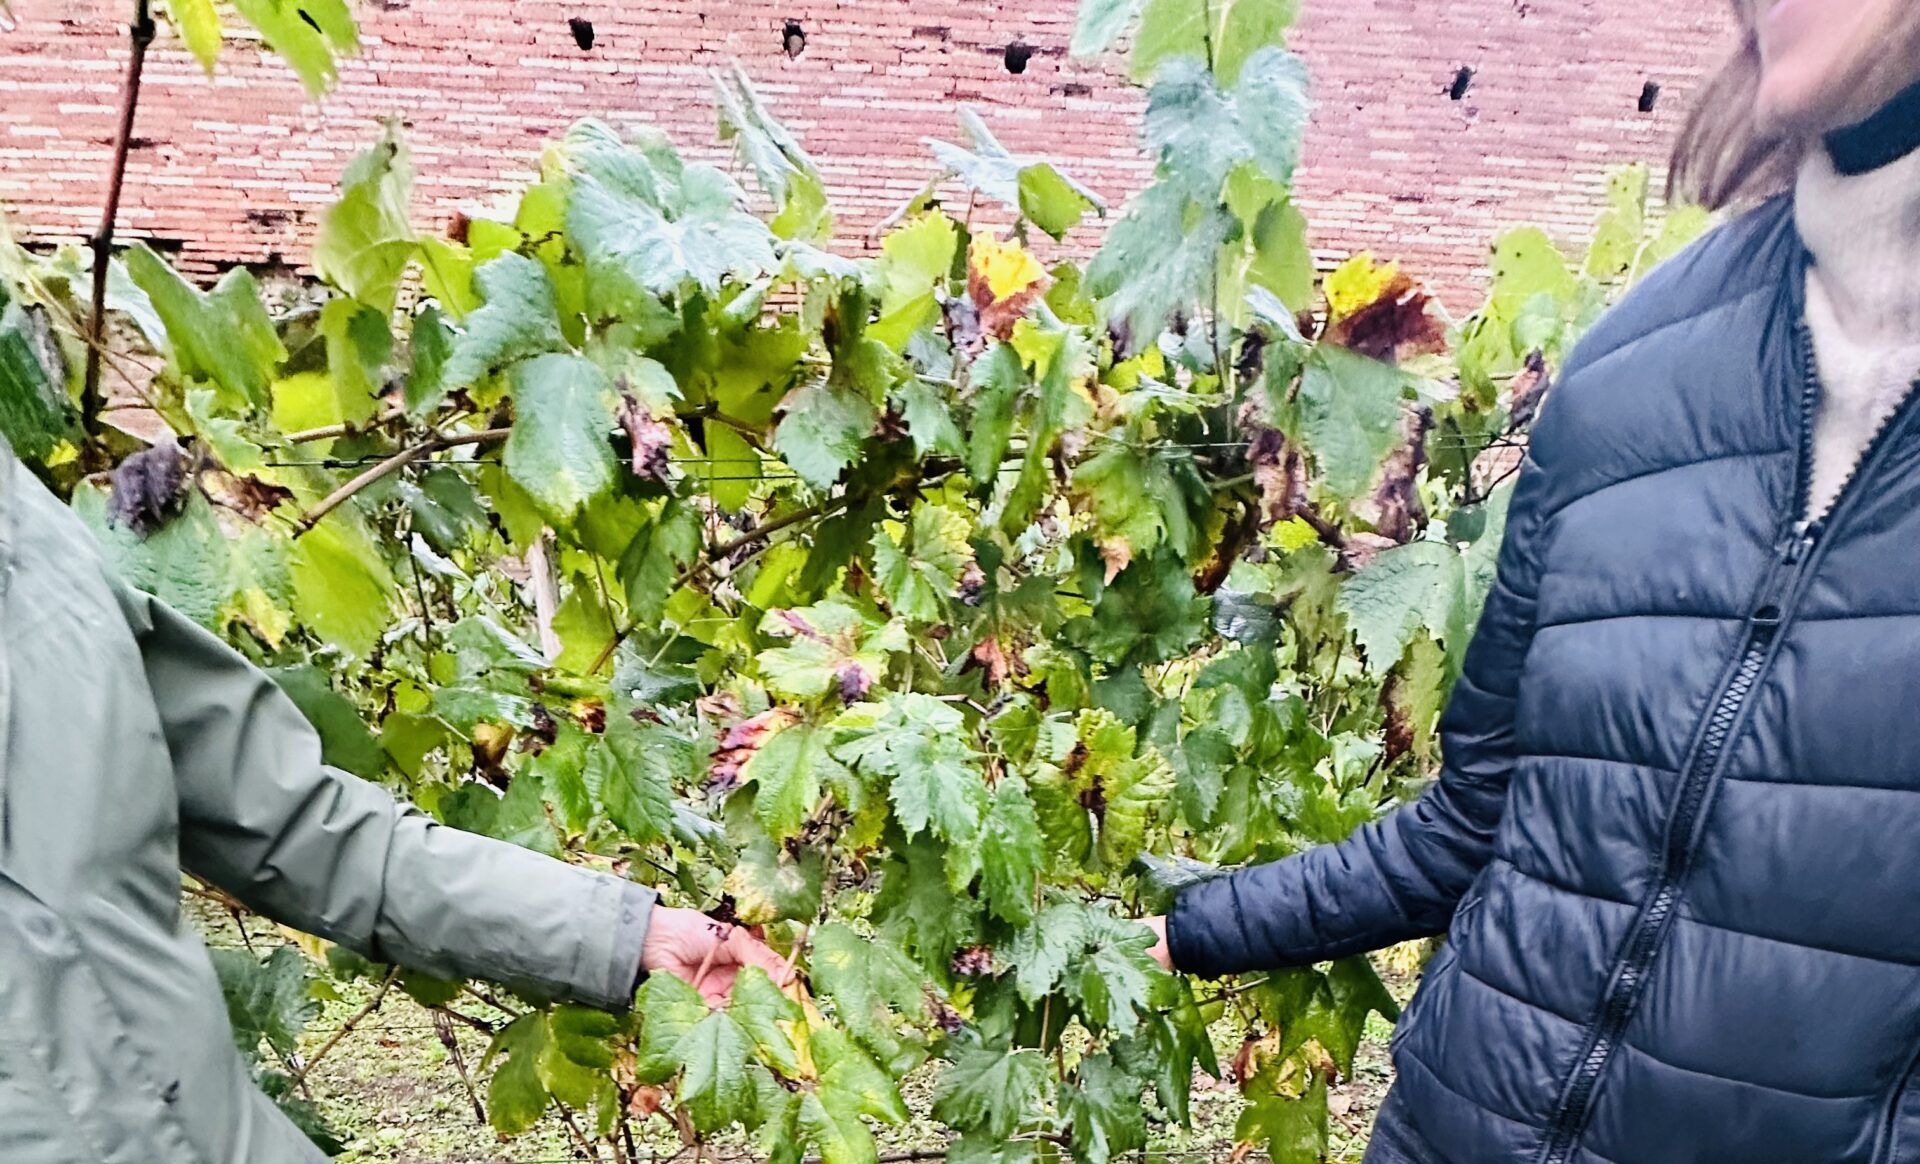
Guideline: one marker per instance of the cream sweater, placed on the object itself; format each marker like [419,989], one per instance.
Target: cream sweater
[1863,305]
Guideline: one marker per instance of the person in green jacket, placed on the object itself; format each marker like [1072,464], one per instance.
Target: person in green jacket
[134,745]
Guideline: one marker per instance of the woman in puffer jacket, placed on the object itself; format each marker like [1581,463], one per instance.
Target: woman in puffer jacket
[1675,845]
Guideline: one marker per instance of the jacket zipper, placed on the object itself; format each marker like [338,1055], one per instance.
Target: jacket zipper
[1770,609]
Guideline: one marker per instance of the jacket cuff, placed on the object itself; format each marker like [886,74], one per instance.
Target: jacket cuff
[631,913]
[630,937]
[1192,943]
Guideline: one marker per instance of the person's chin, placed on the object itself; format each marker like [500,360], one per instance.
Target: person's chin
[1783,109]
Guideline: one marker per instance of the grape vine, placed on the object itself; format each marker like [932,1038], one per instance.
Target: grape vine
[937,611]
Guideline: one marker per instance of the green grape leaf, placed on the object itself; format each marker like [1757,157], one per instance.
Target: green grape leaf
[787,771]
[917,906]
[668,1009]
[1012,853]
[1226,32]
[822,430]
[837,1132]
[1103,1109]
[518,318]
[998,379]
[309,35]
[1113,975]
[869,983]
[714,1087]
[698,241]
[1350,409]
[35,413]
[930,421]
[769,1018]
[914,260]
[1404,589]
[921,743]
[559,451]
[342,588]
[359,348]
[1201,133]
[345,741]
[223,336]
[268,1000]
[1099,23]
[1034,186]
[851,1083]
[784,171]
[1294,1130]
[631,775]
[365,240]
[1041,953]
[920,573]
[560,769]
[517,1096]
[1157,260]
[770,883]
[991,1090]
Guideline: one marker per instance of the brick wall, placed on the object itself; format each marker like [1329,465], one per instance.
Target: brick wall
[235,169]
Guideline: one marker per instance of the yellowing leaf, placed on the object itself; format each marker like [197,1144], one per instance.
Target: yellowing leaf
[1007,268]
[1356,283]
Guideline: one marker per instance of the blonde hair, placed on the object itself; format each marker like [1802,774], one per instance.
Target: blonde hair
[1726,154]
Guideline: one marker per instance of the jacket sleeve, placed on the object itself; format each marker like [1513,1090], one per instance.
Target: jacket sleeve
[330,854]
[1401,876]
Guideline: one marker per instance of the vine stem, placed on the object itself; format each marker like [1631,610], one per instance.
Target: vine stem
[443,1029]
[140,35]
[346,1029]
[714,556]
[329,431]
[397,461]
[581,1143]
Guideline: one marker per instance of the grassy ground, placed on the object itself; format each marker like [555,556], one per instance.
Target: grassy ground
[394,1091]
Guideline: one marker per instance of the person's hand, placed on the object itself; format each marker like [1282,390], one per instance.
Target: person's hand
[708,954]
[1160,952]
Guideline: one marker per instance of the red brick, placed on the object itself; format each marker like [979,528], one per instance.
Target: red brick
[1391,163]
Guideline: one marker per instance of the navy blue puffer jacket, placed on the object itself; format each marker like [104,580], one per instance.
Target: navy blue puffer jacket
[1676,843]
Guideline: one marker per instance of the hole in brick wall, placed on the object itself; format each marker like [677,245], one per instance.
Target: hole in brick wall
[1462,81]
[270,217]
[1649,94]
[793,39]
[932,32]
[582,32]
[1017,56]
[1074,89]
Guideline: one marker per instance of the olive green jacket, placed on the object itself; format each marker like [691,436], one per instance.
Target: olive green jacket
[133,745]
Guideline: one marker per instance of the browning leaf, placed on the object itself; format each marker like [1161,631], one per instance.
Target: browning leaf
[1004,282]
[1394,509]
[246,495]
[651,438]
[990,657]
[1528,389]
[739,742]
[1402,321]
[1279,469]
[1360,549]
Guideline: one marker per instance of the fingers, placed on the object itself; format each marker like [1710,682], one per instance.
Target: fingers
[1161,951]
[748,951]
[716,985]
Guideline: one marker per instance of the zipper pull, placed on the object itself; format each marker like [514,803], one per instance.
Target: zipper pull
[1769,607]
